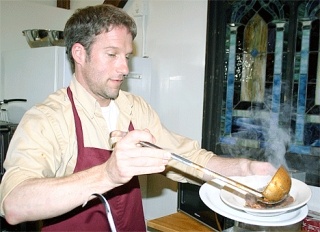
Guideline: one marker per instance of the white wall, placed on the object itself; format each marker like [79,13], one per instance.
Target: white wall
[17,16]
[174,38]
[175,41]
[20,15]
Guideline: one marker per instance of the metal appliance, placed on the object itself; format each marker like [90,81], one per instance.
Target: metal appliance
[41,72]
[6,131]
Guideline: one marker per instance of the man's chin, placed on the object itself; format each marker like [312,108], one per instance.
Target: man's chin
[113,95]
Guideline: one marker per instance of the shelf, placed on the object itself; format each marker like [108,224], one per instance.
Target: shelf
[176,222]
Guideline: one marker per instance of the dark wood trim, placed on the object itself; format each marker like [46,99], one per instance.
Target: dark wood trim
[214,71]
[117,3]
[65,4]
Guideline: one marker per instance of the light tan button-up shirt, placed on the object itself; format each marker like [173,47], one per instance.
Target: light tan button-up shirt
[45,143]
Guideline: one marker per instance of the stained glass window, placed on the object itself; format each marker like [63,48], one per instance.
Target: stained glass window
[268,83]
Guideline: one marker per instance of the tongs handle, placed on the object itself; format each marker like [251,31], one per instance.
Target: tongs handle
[207,171]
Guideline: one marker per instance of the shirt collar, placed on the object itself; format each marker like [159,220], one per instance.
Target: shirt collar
[91,105]
[83,98]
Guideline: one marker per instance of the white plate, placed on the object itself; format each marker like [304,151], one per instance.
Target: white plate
[300,192]
[210,195]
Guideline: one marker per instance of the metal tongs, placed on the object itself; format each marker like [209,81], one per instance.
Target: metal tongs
[257,195]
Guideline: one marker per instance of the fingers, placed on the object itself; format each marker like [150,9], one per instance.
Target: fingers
[141,169]
[124,164]
[141,159]
[134,136]
[116,136]
[130,159]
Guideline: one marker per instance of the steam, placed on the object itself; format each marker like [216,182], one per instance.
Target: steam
[269,139]
[277,141]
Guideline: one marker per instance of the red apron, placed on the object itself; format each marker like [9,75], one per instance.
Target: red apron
[125,201]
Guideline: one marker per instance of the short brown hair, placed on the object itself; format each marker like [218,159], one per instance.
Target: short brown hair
[86,23]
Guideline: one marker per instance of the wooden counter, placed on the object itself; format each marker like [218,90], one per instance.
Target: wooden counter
[176,222]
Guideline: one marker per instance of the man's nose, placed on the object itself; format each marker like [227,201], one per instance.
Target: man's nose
[123,67]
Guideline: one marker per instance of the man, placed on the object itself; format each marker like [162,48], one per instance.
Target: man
[60,155]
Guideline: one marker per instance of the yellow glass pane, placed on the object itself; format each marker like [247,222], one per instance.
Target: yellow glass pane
[254,60]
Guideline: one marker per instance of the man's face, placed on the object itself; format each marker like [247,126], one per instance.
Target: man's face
[103,71]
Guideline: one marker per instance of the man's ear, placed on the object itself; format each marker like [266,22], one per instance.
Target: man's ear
[78,53]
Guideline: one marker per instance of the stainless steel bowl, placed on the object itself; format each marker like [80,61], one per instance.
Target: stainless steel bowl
[43,38]
[37,37]
[56,38]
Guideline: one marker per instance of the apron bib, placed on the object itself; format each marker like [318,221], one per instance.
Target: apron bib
[125,201]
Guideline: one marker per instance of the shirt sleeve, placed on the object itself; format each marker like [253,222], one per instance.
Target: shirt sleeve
[37,149]
[145,117]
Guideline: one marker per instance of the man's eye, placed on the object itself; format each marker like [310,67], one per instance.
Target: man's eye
[111,55]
